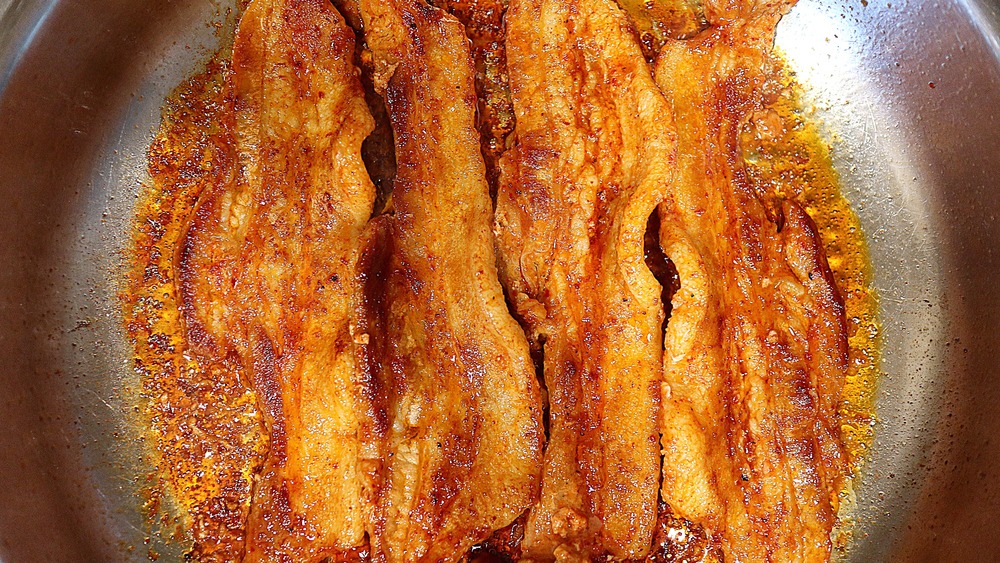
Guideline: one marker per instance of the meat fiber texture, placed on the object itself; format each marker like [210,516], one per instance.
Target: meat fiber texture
[405,418]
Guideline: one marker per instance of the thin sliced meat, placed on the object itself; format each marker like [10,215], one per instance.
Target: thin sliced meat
[484,26]
[465,441]
[594,154]
[755,351]
[268,274]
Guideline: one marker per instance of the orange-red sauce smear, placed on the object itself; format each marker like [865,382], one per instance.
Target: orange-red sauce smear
[203,424]
[202,421]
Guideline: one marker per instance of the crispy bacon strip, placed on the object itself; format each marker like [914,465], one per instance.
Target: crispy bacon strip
[268,273]
[484,26]
[466,437]
[594,155]
[755,350]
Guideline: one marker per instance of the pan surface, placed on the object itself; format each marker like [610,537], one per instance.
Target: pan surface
[907,91]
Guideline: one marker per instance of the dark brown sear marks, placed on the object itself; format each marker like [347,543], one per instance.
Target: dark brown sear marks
[378,150]
[503,546]
[660,265]
[373,274]
[263,359]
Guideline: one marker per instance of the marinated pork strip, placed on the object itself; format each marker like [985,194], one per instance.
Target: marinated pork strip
[593,156]
[484,26]
[755,351]
[466,437]
[269,274]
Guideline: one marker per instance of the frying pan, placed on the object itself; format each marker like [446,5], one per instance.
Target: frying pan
[908,93]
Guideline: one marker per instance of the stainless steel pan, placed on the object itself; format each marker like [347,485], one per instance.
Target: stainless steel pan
[908,90]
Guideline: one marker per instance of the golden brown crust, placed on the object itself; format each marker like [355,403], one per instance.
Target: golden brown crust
[280,244]
[593,155]
[465,433]
[755,351]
